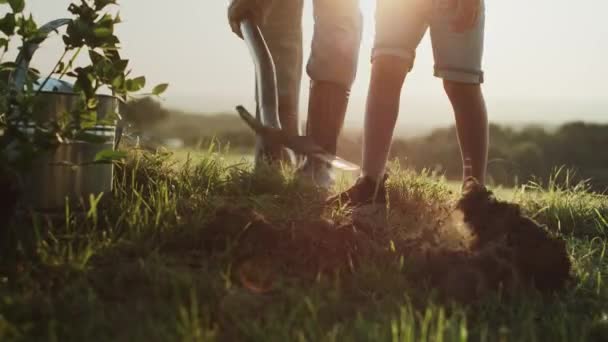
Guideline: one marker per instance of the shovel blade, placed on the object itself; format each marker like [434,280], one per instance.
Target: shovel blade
[337,162]
[299,144]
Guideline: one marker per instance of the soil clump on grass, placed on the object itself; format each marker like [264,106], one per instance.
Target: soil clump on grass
[482,245]
[506,251]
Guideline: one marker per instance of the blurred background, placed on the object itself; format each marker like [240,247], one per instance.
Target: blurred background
[544,63]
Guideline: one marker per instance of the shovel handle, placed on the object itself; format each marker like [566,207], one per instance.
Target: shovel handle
[265,74]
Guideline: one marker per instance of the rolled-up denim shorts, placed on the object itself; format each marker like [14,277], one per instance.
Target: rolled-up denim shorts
[401,24]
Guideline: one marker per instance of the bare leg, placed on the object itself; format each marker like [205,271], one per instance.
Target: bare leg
[472,126]
[382,109]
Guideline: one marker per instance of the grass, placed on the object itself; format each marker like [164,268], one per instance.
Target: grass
[139,265]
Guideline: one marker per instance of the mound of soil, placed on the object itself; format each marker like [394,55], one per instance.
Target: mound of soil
[503,232]
[508,251]
[497,247]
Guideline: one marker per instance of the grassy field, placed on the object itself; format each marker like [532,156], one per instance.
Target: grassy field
[163,258]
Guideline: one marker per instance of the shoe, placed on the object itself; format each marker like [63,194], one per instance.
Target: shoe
[367,198]
[318,173]
[365,191]
[326,111]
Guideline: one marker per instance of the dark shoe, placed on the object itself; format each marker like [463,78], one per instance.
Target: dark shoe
[367,198]
[365,191]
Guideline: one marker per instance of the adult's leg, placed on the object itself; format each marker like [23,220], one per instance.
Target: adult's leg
[282,30]
[332,69]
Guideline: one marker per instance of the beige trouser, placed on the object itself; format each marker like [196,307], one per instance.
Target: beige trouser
[334,51]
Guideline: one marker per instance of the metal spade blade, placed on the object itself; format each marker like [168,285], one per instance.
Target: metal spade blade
[299,144]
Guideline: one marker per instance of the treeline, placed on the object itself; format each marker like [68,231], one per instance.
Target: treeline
[195,130]
[516,155]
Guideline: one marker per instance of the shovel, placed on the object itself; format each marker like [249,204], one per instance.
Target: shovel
[270,138]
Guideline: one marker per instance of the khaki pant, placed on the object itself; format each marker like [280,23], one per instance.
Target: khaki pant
[335,46]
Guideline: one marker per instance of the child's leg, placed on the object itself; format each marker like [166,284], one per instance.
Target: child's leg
[458,59]
[472,126]
[382,109]
[400,25]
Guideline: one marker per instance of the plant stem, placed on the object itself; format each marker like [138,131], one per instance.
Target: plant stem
[70,63]
[65,52]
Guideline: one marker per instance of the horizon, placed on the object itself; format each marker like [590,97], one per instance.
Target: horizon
[534,70]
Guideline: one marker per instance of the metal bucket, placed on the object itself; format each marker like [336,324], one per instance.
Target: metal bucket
[67,173]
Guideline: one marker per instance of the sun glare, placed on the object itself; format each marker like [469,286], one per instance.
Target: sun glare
[367,8]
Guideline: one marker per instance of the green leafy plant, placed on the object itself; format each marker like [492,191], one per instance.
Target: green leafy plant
[91,31]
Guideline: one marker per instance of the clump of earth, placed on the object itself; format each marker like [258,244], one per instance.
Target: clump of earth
[479,245]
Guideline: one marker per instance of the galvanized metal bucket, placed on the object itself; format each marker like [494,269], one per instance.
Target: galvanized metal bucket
[66,174]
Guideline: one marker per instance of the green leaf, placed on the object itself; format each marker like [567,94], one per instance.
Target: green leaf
[103,32]
[96,58]
[118,81]
[160,89]
[8,24]
[108,156]
[28,28]
[92,104]
[17,5]
[136,84]
[101,4]
[8,66]
[60,67]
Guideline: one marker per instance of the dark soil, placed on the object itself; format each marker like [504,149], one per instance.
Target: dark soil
[9,194]
[504,250]
[509,251]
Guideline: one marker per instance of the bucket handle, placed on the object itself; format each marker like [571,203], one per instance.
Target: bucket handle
[27,52]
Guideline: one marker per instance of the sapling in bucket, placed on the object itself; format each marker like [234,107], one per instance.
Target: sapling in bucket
[60,138]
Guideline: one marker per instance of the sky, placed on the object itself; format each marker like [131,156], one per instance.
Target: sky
[545,60]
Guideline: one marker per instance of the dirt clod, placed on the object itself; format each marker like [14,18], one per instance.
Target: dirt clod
[506,239]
